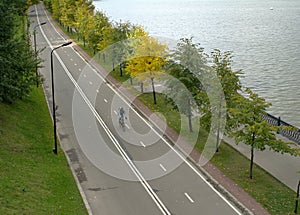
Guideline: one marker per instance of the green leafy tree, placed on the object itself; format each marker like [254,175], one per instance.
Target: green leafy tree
[17,62]
[188,61]
[48,4]
[120,49]
[253,130]
[32,2]
[230,83]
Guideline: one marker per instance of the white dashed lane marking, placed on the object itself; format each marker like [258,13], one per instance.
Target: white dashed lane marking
[105,100]
[189,198]
[161,166]
[141,142]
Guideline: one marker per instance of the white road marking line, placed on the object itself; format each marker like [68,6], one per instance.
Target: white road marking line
[75,64]
[91,83]
[141,142]
[97,91]
[84,75]
[189,198]
[164,169]
[127,126]
[105,100]
[71,59]
[79,69]
[115,112]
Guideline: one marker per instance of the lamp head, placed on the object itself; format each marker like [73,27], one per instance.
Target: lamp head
[66,44]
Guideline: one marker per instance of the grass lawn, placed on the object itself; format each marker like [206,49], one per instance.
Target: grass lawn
[277,198]
[32,179]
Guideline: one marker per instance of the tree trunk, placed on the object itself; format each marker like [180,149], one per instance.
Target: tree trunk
[153,90]
[142,87]
[190,116]
[218,129]
[121,70]
[218,139]
[278,124]
[252,156]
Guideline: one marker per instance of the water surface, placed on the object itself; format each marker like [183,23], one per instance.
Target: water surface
[265,42]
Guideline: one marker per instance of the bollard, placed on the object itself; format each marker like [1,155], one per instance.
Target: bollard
[278,124]
[297,198]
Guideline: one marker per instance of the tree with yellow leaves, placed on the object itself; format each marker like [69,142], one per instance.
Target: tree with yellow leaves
[84,18]
[148,59]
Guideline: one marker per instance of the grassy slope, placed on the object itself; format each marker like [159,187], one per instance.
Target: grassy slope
[33,179]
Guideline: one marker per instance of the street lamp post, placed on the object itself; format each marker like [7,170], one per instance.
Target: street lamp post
[218,129]
[53,97]
[297,198]
[35,52]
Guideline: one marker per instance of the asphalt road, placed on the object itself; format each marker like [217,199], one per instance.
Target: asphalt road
[129,172]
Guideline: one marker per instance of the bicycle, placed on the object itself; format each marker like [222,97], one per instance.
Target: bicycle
[122,118]
[122,122]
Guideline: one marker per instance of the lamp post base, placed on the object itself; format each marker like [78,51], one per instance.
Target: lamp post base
[54,151]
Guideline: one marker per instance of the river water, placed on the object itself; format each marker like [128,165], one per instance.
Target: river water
[264,37]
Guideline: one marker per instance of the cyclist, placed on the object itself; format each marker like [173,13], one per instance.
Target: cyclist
[121,116]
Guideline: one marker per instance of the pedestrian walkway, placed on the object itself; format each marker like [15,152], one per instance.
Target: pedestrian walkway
[284,167]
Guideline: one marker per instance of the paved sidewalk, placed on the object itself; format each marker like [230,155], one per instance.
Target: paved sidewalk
[284,167]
